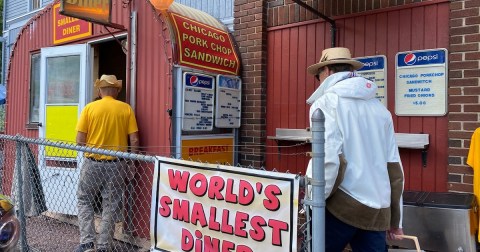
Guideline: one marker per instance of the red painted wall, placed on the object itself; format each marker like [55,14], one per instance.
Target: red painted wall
[293,47]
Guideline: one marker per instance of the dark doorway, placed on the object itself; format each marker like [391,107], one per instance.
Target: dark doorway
[112,60]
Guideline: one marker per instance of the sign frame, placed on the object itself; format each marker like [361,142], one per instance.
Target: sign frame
[180,47]
[64,10]
[184,86]
[220,121]
[444,90]
[167,186]
[209,139]
[57,10]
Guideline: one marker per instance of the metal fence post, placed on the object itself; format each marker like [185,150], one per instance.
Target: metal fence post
[318,181]
[19,195]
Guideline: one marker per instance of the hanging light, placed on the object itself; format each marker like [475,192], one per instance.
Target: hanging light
[161,4]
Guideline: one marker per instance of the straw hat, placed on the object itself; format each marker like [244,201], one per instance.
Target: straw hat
[335,55]
[108,81]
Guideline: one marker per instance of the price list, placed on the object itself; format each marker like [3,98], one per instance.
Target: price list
[228,109]
[198,102]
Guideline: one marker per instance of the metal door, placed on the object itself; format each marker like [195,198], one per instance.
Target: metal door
[62,96]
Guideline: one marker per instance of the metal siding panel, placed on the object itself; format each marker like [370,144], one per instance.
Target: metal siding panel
[15,8]
[360,37]
[295,87]
[417,42]
[284,73]
[270,127]
[371,35]
[46,2]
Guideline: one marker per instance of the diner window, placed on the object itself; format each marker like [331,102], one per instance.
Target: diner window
[34,4]
[34,88]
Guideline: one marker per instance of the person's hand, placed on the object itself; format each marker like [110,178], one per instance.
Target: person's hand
[395,234]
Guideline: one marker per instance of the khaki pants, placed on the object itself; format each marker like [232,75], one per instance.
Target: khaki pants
[108,179]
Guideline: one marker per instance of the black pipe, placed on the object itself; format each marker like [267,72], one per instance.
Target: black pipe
[333,26]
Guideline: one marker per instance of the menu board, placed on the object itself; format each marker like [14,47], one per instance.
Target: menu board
[374,69]
[228,106]
[198,99]
[421,83]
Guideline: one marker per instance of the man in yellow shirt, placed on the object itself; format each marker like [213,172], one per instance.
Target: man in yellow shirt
[108,124]
[473,160]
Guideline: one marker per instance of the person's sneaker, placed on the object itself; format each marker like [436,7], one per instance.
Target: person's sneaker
[86,247]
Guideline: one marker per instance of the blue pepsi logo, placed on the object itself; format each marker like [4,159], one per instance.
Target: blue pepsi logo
[410,59]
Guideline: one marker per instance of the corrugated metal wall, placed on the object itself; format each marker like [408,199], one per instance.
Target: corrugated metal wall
[292,48]
[154,84]
[35,35]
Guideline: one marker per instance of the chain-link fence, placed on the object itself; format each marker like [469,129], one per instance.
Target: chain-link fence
[42,178]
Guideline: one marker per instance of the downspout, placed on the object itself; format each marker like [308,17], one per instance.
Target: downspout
[333,26]
[3,41]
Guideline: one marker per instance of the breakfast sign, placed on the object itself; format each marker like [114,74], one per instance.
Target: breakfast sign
[68,28]
[204,47]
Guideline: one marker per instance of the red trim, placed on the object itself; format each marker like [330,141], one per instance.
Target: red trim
[388,9]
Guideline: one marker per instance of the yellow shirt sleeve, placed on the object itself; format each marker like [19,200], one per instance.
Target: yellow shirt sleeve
[132,123]
[82,124]
[473,160]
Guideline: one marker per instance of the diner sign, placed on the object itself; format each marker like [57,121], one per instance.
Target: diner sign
[207,207]
[68,28]
[97,11]
[204,47]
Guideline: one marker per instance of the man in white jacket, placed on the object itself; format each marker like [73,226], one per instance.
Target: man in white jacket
[363,172]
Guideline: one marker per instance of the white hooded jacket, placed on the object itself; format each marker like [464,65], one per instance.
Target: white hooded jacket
[358,126]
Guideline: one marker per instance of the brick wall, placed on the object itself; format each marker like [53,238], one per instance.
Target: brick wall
[464,90]
[282,12]
[250,34]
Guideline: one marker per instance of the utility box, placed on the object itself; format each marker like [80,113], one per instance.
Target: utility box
[441,221]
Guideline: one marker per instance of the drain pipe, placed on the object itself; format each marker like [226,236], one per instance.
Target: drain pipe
[333,26]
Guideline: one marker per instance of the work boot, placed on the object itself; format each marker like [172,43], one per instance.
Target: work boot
[86,247]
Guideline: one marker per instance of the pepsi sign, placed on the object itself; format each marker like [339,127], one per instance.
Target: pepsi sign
[421,58]
[372,63]
[198,81]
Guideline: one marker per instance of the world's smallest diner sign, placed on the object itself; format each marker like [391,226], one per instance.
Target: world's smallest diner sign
[68,28]
[204,47]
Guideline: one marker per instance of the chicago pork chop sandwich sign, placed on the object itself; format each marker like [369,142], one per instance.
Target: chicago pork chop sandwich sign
[203,207]
[204,47]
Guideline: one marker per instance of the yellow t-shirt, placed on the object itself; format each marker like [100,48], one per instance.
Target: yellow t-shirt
[107,123]
[474,161]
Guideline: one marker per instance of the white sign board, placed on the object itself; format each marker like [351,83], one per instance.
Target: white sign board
[228,105]
[374,69]
[421,83]
[205,207]
[198,98]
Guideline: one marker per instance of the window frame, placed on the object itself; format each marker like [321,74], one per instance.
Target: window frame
[34,90]
[34,5]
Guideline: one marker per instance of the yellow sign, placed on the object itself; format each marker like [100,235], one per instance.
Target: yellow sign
[68,28]
[97,11]
[60,126]
[210,150]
